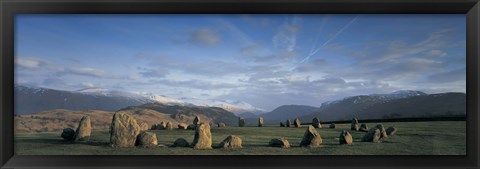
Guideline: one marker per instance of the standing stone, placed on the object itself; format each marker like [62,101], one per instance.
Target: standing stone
[383,132]
[316,123]
[297,123]
[282,125]
[196,121]
[376,134]
[391,131]
[146,140]
[241,122]
[84,129]
[124,130]
[181,142]
[203,137]
[221,125]
[182,126]
[169,126]
[68,134]
[144,126]
[345,137]
[332,126]
[289,123]
[231,142]
[363,127]
[311,138]
[279,142]
[260,121]
[354,125]
[373,135]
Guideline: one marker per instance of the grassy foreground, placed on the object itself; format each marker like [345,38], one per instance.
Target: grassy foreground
[413,138]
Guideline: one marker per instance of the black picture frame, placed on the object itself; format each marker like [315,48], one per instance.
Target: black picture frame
[9,8]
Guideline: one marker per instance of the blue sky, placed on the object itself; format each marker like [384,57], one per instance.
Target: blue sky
[264,60]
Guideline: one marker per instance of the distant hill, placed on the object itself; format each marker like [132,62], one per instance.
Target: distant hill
[248,115]
[285,112]
[30,100]
[379,107]
[181,113]
[58,119]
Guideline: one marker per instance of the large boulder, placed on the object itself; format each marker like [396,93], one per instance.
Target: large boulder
[182,126]
[355,125]
[345,137]
[311,138]
[241,122]
[288,123]
[203,137]
[181,142]
[68,134]
[363,127]
[332,126]
[376,134]
[84,129]
[297,123]
[391,131]
[316,123]
[279,142]
[282,125]
[260,121]
[144,126]
[169,126]
[146,140]
[123,130]
[231,142]
[196,121]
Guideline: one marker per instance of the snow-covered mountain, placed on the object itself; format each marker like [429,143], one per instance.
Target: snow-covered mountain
[111,100]
[234,106]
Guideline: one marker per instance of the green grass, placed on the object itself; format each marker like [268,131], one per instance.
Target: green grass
[413,138]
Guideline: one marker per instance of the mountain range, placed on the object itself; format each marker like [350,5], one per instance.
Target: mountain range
[399,104]
[37,99]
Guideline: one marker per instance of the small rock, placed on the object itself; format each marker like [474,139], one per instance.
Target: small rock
[363,127]
[182,126]
[146,140]
[279,142]
[68,134]
[181,142]
[391,131]
[231,142]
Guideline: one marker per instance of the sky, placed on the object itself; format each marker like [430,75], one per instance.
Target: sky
[264,60]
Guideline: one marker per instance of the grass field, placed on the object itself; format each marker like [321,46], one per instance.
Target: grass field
[413,138]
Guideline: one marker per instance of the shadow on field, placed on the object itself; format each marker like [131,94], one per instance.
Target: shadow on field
[94,143]
[46,141]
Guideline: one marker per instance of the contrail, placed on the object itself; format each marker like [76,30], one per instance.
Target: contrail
[329,40]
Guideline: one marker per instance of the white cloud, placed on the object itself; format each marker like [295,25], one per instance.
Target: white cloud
[28,63]
[204,36]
